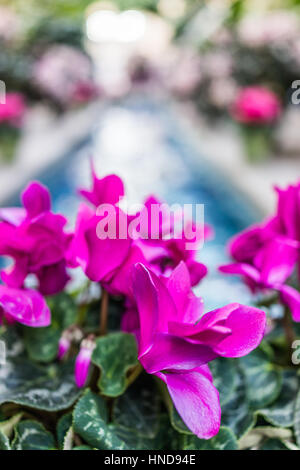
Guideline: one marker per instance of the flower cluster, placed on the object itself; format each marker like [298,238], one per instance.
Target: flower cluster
[267,254]
[176,339]
[65,74]
[34,237]
[13,110]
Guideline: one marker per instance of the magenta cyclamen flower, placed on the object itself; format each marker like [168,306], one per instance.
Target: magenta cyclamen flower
[35,238]
[110,259]
[266,260]
[25,306]
[164,247]
[98,257]
[287,218]
[107,190]
[176,341]
[256,105]
[83,361]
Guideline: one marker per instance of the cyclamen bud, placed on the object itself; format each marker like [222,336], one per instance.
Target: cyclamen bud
[72,334]
[64,345]
[83,361]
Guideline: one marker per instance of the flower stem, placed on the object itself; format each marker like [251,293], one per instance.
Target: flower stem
[103,312]
[134,374]
[288,328]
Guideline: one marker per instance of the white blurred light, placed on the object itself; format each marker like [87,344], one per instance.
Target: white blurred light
[109,26]
[101,25]
[131,27]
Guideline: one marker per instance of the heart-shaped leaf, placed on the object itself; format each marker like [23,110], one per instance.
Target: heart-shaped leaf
[236,413]
[63,310]
[263,379]
[225,377]
[42,343]
[138,408]
[90,421]
[281,412]
[31,435]
[114,354]
[62,428]
[50,388]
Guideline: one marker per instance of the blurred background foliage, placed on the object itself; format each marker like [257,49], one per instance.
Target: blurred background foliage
[205,33]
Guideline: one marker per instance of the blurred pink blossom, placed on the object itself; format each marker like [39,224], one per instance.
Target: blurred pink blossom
[272,28]
[13,110]
[9,24]
[185,75]
[256,105]
[65,74]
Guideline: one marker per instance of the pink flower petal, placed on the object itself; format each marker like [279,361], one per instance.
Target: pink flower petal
[276,261]
[242,269]
[26,306]
[291,298]
[197,401]
[107,190]
[247,326]
[171,352]
[36,199]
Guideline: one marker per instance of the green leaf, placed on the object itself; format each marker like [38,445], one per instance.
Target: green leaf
[63,426]
[63,310]
[224,440]
[90,422]
[4,442]
[114,354]
[281,412]
[31,435]
[274,444]
[225,377]
[263,379]
[257,436]
[42,343]
[138,409]
[68,440]
[82,448]
[164,438]
[14,345]
[297,419]
[236,413]
[50,388]
[6,427]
